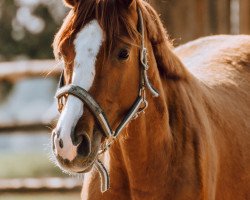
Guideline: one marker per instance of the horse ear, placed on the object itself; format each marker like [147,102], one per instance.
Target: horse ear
[127,3]
[70,3]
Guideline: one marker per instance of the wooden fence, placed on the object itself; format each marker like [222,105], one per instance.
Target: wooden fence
[245,16]
[188,20]
[39,185]
[13,72]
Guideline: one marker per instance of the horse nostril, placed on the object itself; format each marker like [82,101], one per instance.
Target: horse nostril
[61,143]
[75,138]
[84,149]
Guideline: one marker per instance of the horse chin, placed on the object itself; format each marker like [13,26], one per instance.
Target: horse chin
[82,165]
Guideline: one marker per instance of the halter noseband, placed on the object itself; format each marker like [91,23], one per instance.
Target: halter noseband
[138,107]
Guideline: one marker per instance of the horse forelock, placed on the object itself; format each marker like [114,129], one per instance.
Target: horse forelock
[113,19]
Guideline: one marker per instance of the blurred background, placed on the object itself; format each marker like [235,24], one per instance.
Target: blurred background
[28,80]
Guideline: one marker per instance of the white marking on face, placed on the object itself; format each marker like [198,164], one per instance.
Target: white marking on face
[87,46]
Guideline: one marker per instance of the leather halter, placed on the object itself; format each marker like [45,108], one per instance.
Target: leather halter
[139,105]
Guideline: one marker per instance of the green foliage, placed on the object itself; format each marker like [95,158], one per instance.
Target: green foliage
[17,39]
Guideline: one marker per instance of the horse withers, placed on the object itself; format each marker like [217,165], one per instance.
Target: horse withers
[166,123]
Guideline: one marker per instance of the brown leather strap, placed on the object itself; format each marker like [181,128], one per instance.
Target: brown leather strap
[97,111]
[86,98]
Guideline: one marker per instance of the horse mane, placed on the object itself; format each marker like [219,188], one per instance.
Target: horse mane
[111,18]
[169,65]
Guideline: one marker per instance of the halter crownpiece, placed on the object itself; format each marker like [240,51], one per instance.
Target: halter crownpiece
[144,58]
[138,107]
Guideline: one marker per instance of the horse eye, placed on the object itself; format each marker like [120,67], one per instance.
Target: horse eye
[123,54]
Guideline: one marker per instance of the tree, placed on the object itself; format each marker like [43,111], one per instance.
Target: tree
[27,28]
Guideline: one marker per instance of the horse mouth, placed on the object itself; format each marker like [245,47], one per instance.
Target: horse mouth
[80,164]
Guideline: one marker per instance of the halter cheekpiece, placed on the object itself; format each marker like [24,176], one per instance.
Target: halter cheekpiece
[138,107]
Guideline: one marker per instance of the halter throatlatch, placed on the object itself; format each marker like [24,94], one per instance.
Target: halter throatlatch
[136,109]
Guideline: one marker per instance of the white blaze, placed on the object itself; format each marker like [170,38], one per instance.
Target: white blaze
[87,45]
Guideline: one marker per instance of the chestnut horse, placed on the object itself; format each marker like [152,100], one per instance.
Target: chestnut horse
[189,138]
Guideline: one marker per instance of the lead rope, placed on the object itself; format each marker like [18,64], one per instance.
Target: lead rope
[103,172]
[104,175]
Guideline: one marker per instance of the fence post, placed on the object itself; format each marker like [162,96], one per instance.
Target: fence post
[188,20]
[223,16]
[245,16]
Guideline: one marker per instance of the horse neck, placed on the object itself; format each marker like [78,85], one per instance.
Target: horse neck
[154,148]
[164,148]
[143,149]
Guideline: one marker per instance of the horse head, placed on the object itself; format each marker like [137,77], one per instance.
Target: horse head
[103,47]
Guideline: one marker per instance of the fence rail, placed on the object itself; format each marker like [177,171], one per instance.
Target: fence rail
[12,71]
[10,74]
[27,128]
[29,185]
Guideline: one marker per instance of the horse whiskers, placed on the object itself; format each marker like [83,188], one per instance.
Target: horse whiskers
[49,127]
[59,63]
[52,124]
[55,163]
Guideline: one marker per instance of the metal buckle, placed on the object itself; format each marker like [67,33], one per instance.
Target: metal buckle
[106,145]
[141,110]
[144,104]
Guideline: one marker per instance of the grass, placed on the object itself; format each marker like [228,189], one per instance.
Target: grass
[50,196]
[20,165]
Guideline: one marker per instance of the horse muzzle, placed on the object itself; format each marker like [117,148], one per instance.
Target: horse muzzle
[78,154]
